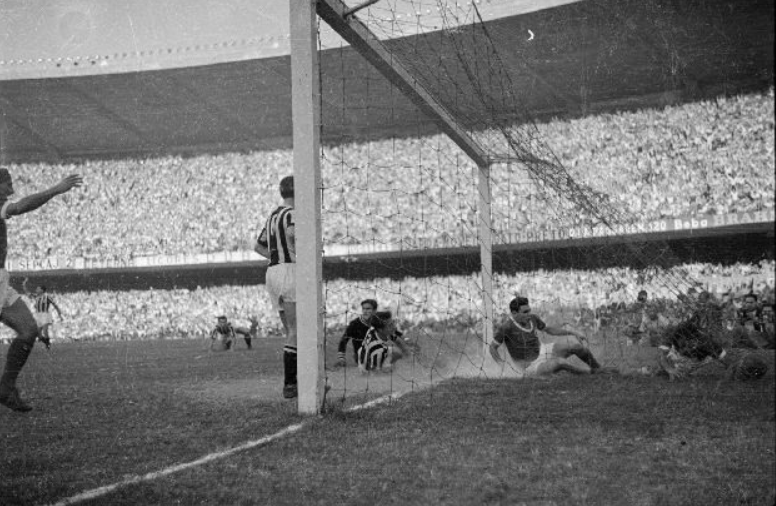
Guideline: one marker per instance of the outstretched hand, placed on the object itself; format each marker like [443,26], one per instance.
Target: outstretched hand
[68,183]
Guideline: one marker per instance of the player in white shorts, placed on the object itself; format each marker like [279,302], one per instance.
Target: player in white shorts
[43,302]
[13,311]
[277,243]
[530,356]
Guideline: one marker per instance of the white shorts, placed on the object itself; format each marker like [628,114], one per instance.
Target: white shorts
[7,294]
[43,318]
[545,354]
[281,284]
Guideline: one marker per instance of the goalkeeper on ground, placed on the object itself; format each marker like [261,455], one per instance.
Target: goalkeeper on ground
[356,331]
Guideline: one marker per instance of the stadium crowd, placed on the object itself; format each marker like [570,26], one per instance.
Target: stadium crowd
[590,299]
[711,157]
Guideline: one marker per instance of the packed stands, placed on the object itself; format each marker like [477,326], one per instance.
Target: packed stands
[154,314]
[711,157]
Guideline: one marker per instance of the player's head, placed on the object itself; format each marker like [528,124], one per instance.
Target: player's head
[642,296]
[221,320]
[287,187]
[519,305]
[40,289]
[368,307]
[6,183]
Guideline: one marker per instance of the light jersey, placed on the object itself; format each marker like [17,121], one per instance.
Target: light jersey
[42,303]
[275,238]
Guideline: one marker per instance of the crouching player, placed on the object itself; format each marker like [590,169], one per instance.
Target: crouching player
[382,345]
[529,355]
[223,336]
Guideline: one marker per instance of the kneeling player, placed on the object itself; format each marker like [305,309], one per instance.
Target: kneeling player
[529,355]
[379,352]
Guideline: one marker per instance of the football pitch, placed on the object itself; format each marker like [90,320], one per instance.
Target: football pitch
[166,422]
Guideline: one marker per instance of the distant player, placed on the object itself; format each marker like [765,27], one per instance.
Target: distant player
[249,333]
[529,355]
[356,331]
[43,302]
[277,242]
[223,336]
[13,311]
[378,351]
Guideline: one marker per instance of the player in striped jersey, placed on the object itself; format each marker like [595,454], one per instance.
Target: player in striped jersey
[381,348]
[13,311]
[42,303]
[277,243]
[223,337]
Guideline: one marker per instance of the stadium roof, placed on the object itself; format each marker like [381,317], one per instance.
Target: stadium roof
[96,79]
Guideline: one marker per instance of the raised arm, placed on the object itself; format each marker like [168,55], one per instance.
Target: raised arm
[34,201]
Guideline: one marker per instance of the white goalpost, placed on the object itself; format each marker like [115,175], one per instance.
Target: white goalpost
[306,115]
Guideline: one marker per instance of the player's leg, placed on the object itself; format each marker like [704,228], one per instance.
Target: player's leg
[289,351]
[45,335]
[567,346]
[18,317]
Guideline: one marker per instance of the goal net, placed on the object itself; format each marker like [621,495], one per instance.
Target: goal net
[443,213]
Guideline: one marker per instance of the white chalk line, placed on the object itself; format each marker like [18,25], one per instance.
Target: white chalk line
[101,491]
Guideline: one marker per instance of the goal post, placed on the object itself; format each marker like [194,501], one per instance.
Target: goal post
[306,116]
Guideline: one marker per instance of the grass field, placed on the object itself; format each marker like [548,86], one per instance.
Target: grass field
[107,412]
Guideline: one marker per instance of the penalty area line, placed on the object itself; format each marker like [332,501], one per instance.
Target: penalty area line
[101,491]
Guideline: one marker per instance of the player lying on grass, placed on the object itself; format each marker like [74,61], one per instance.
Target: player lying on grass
[532,357]
[382,345]
[692,345]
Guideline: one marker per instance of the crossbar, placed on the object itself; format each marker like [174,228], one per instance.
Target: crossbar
[363,40]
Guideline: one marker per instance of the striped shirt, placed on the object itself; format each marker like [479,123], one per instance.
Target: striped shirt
[42,303]
[275,237]
[374,352]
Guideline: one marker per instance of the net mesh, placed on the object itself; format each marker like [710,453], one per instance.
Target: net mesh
[418,190]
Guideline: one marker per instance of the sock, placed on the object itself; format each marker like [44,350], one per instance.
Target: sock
[588,358]
[289,365]
[248,342]
[14,361]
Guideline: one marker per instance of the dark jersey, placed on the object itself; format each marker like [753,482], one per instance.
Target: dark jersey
[356,330]
[3,235]
[519,334]
[274,236]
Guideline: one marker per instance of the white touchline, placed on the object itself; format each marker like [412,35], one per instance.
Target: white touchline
[100,491]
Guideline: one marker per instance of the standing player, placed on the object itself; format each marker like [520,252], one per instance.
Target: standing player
[356,331]
[13,311]
[43,303]
[528,354]
[277,243]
